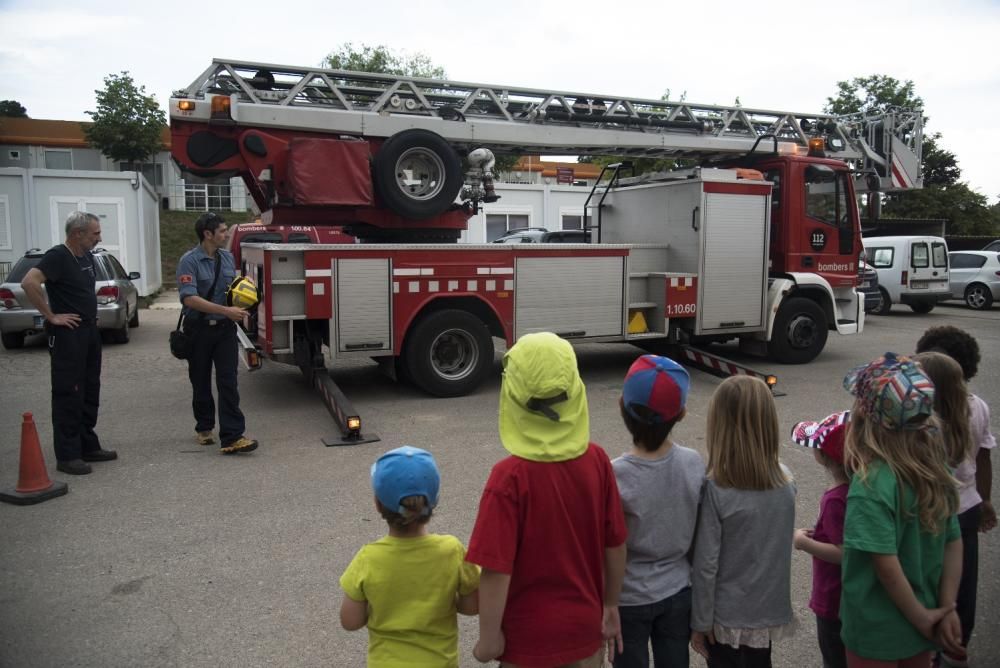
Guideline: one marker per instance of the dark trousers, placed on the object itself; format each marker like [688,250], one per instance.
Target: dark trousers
[75,356]
[665,624]
[215,346]
[830,644]
[724,656]
[966,599]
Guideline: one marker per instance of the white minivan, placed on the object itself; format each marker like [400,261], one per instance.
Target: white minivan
[912,270]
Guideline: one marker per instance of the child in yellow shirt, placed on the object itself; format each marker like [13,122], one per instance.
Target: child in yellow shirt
[408,586]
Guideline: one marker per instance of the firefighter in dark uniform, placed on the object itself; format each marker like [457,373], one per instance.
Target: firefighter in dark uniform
[70,311]
[212,324]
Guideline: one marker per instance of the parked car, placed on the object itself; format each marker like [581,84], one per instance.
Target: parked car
[975,277]
[912,270]
[540,235]
[993,246]
[868,286]
[522,235]
[117,300]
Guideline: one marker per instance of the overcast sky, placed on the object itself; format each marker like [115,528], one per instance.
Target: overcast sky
[775,55]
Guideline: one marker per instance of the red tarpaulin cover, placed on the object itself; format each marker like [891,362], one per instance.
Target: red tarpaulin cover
[329,172]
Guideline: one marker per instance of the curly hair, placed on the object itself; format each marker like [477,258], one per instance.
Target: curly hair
[956,344]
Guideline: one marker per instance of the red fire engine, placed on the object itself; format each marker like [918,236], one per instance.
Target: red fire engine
[760,242]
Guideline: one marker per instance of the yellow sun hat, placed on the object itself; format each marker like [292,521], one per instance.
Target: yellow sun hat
[543,402]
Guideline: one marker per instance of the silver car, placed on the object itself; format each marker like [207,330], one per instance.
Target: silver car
[975,277]
[117,300]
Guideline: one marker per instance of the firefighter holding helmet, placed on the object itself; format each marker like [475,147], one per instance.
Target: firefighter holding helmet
[215,300]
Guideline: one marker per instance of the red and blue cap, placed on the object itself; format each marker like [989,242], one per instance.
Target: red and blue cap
[658,384]
[403,472]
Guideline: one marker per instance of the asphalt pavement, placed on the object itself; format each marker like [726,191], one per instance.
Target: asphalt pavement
[175,555]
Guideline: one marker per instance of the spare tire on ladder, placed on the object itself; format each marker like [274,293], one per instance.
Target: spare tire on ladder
[417,174]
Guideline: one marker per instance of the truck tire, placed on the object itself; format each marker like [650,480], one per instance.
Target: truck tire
[979,297]
[448,353]
[417,174]
[922,307]
[885,303]
[799,333]
[12,340]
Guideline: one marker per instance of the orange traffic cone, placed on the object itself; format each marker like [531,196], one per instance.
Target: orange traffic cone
[33,483]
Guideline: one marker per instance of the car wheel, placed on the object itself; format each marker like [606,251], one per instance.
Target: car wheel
[12,340]
[922,307]
[799,332]
[448,353]
[134,320]
[417,174]
[884,303]
[120,335]
[978,296]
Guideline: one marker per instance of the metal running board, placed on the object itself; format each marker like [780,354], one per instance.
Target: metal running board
[526,120]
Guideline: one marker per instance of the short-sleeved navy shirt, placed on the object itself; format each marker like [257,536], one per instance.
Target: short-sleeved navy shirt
[69,282]
[195,273]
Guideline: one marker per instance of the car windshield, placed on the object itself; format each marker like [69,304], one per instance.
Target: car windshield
[20,269]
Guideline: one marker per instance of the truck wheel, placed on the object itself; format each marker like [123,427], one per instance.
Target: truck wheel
[12,340]
[417,174]
[448,353]
[884,304]
[922,307]
[799,333]
[978,296]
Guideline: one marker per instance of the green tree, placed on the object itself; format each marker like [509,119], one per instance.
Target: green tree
[12,109]
[128,124]
[380,59]
[944,195]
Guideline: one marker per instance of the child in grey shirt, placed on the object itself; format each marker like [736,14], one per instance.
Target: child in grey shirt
[741,574]
[660,484]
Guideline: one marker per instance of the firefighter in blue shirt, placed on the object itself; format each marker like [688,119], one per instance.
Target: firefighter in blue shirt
[212,323]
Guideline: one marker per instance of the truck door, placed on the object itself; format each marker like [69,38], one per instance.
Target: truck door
[829,225]
[362,305]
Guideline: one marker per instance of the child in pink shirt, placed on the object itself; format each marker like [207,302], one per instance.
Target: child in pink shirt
[825,541]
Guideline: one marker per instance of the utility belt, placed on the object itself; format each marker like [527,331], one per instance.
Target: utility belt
[193,325]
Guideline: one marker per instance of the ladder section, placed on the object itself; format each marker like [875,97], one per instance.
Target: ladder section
[508,118]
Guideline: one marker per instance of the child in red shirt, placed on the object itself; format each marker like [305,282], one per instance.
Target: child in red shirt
[550,533]
[825,542]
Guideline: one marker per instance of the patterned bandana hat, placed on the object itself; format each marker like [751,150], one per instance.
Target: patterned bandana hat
[827,435]
[894,390]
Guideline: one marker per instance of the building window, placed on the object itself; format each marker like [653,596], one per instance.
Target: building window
[207,197]
[497,224]
[151,171]
[5,240]
[572,221]
[58,159]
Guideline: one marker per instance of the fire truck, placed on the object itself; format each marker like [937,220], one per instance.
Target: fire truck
[758,241]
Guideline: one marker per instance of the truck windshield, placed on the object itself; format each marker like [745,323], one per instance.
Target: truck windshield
[826,195]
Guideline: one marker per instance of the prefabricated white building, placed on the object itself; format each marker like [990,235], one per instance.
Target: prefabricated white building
[34,204]
[554,207]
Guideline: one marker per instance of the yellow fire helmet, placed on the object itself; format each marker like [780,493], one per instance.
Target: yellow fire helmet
[242,293]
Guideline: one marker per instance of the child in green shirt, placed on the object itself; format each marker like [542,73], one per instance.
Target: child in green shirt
[408,586]
[902,548]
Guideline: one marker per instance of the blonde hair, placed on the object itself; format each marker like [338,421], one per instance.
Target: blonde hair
[951,402]
[916,457]
[415,511]
[742,436]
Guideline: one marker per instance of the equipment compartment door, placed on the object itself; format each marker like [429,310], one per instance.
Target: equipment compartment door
[574,297]
[362,305]
[732,282]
